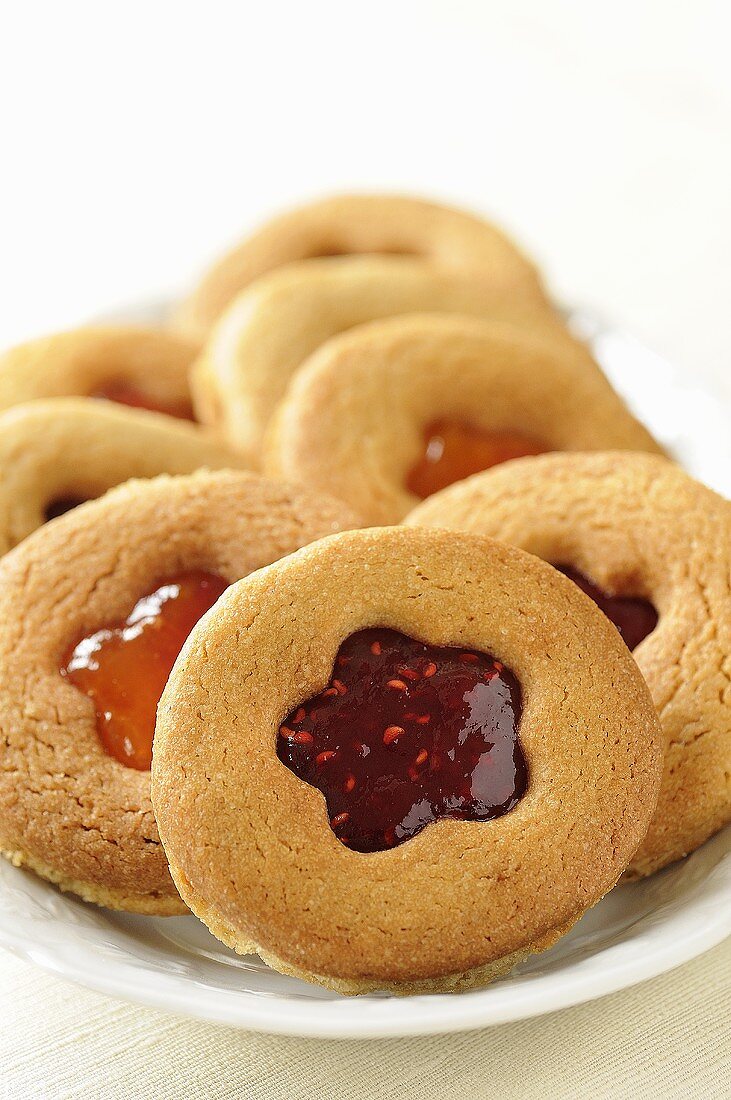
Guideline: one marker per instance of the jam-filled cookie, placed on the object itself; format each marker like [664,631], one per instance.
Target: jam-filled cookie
[58,453]
[93,611]
[354,224]
[652,547]
[393,411]
[442,755]
[142,367]
[271,328]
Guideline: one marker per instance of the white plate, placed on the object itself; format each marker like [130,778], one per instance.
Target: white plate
[636,932]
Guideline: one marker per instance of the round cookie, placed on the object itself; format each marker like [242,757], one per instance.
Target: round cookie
[68,809]
[354,224]
[271,328]
[360,414]
[57,453]
[460,901]
[142,367]
[636,526]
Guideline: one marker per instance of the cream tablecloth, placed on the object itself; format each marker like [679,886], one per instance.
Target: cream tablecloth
[667,1038]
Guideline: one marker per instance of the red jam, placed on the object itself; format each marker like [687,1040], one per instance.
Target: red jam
[454,450]
[633,617]
[406,733]
[124,393]
[124,668]
[61,505]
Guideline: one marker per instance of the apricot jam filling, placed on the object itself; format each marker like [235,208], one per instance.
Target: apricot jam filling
[633,617]
[406,733]
[454,450]
[124,668]
[124,393]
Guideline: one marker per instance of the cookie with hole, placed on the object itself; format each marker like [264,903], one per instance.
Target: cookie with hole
[140,367]
[343,225]
[393,411]
[94,608]
[651,546]
[271,328]
[402,759]
[60,452]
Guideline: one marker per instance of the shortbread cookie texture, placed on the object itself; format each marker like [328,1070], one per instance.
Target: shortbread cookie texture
[141,367]
[68,809]
[271,328]
[360,415]
[459,631]
[58,453]
[638,527]
[347,224]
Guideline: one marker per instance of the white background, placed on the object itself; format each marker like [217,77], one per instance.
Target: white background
[139,139]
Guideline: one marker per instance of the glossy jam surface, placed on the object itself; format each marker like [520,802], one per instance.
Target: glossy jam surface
[61,505]
[124,393]
[454,450]
[124,668]
[633,617]
[406,733]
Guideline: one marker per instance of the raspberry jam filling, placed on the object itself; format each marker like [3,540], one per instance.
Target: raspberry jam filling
[124,393]
[61,505]
[633,617]
[454,450]
[406,733]
[124,668]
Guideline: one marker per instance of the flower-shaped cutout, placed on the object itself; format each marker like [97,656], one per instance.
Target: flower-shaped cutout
[406,733]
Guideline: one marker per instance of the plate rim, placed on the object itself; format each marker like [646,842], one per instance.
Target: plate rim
[385,1017]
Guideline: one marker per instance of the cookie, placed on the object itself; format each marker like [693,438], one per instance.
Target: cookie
[392,411]
[142,367]
[93,610]
[58,453]
[271,328]
[645,540]
[402,760]
[347,224]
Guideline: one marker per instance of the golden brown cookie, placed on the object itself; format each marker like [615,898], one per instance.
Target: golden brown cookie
[337,779]
[638,527]
[57,453]
[394,410]
[143,367]
[271,328]
[92,608]
[347,224]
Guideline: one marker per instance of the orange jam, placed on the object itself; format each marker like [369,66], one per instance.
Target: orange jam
[454,450]
[124,668]
[124,393]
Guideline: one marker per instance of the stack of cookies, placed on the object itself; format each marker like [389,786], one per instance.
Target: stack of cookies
[354,611]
